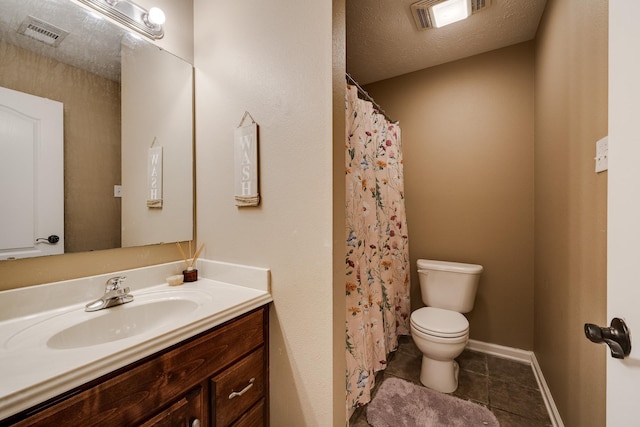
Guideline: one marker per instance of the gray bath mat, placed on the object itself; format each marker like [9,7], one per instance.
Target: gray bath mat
[401,403]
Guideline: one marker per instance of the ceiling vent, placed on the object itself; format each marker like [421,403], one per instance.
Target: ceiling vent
[423,18]
[42,31]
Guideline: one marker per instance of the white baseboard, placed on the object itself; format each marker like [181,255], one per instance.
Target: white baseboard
[501,351]
[524,356]
[546,393]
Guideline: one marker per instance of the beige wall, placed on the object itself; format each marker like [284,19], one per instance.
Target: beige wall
[570,289]
[467,137]
[91,142]
[339,219]
[274,60]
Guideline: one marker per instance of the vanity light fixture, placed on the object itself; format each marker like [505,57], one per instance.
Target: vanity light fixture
[146,22]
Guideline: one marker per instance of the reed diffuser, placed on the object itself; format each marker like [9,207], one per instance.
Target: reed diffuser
[190,273]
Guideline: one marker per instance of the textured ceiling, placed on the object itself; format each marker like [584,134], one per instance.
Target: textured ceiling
[93,43]
[383,42]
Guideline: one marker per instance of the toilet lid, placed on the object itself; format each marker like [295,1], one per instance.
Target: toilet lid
[439,322]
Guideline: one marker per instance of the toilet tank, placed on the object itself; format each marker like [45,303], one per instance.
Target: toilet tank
[448,285]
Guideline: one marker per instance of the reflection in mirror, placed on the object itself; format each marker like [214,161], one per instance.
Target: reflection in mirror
[118,94]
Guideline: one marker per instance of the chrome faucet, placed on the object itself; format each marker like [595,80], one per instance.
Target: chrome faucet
[114,294]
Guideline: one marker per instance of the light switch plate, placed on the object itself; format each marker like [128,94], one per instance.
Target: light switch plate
[602,154]
[117,191]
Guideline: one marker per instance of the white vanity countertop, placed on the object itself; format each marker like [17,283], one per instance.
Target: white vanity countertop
[32,372]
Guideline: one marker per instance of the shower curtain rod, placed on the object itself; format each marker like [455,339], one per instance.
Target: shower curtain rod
[369,98]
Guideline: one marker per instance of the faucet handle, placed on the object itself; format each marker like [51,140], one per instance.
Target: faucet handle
[114,283]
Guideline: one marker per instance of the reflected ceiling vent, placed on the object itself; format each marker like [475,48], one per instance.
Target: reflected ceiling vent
[42,31]
[423,15]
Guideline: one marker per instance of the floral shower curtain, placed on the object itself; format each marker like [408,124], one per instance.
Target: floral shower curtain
[377,257]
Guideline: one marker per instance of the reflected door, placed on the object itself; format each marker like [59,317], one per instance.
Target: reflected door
[31,175]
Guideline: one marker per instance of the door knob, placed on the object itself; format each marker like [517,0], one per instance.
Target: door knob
[53,239]
[616,336]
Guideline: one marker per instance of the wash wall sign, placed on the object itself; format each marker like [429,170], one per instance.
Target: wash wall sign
[154,176]
[246,163]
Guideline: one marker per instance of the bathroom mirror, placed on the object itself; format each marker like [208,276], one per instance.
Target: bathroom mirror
[121,97]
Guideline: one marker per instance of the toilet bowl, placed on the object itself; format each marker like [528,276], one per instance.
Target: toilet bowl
[441,335]
[440,330]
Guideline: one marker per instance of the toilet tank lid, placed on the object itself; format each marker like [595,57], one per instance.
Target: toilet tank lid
[455,267]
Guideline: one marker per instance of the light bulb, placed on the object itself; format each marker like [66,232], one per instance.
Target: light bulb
[156,16]
[450,11]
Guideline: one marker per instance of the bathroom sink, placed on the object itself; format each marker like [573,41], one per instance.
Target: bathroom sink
[121,322]
[74,328]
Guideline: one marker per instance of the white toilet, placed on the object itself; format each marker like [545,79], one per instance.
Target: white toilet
[439,330]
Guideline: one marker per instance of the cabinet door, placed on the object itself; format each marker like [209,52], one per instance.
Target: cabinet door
[185,412]
[238,388]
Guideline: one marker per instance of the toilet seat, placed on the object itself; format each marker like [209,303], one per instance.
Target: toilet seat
[439,322]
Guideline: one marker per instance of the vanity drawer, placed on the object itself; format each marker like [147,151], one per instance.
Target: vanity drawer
[256,416]
[238,388]
[187,411]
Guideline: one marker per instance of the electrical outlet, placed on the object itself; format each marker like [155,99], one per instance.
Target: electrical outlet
[602,155]
[117,191]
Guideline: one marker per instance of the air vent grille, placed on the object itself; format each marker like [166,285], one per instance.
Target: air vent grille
[420,12]
[42,31]
[422,18]
[479,5]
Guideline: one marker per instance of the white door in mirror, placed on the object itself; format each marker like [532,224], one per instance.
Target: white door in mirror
[602,154]
[31,154]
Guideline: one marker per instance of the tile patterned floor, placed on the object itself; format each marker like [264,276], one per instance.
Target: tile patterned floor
[508,388]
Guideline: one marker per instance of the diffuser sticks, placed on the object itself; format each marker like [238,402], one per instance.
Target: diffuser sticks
[190,273]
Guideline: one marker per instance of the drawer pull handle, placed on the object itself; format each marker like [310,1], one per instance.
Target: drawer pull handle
[243,391]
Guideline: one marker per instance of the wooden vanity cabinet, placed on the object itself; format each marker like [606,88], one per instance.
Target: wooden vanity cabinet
[218,378]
